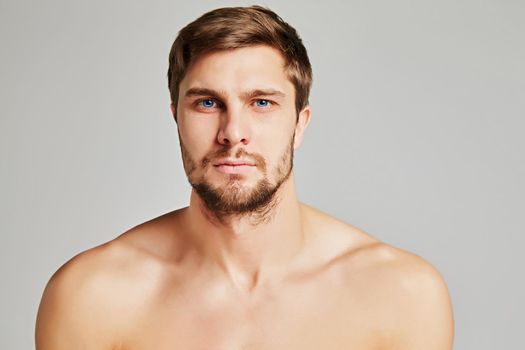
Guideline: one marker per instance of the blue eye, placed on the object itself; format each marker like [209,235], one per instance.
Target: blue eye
[207,103]
[262,103]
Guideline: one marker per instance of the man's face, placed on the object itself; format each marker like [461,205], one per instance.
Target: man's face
[237,127]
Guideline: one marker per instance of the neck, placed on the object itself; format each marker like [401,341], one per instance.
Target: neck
[249,249]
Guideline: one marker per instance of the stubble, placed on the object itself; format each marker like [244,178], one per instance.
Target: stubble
[233,198]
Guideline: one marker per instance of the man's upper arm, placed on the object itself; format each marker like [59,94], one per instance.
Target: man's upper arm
[423,304]
[407,299]
[68,316]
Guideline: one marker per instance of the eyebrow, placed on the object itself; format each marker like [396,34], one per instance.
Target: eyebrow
[262,92]
[199,91]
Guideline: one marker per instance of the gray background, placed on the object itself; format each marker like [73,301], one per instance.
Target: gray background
[416,137]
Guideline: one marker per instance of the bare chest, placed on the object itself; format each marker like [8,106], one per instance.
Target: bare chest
[301,318]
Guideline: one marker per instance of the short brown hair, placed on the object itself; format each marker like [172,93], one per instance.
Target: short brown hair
[236,27]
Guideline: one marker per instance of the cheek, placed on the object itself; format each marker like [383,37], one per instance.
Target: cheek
[198,135]
[276,143]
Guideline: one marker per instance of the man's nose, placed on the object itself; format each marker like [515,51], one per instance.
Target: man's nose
[233,128]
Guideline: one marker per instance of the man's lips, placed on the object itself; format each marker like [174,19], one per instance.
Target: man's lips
[233,163]
[234,166]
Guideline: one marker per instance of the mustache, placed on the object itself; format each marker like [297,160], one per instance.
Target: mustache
[240,153]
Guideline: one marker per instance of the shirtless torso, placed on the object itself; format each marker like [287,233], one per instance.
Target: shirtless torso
[346,290]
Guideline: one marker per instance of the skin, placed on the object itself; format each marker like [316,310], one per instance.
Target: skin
[289,278]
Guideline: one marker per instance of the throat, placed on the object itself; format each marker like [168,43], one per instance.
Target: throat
[249,250]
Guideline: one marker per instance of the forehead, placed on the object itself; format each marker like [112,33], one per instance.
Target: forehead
[239,70]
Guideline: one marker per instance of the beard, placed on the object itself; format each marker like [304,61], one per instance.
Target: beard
[234,198]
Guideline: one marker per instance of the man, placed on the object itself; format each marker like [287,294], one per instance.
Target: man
[245,265]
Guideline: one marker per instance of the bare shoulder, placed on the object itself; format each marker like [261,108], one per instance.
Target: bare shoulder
[72,301]
[365,255]
[403,294]
[405,275]
[407,295]
[92,300]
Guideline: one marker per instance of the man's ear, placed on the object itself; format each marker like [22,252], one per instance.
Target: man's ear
[173,111]
[302,122]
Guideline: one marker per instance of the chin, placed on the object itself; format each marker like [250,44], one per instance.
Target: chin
[235,197]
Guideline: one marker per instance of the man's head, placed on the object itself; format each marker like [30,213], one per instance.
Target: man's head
[239,80]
